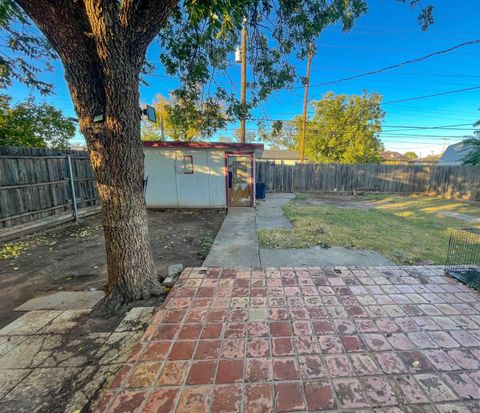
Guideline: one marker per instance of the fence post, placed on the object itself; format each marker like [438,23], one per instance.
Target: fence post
[72,188]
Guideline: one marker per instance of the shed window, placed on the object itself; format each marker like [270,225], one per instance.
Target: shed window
[187,164]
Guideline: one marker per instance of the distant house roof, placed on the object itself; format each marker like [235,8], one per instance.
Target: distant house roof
[429,158]
[393,156]
[454,154]
[281,155]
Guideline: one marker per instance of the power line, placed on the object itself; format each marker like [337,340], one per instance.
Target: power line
[407,62]
[432,95]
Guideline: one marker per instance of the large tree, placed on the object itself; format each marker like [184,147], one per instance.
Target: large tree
[33,125]
[102,45]
[343,129]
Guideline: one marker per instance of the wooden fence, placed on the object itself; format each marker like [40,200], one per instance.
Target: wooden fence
[36,183]
[454,182]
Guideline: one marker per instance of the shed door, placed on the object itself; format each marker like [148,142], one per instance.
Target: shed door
[240,181]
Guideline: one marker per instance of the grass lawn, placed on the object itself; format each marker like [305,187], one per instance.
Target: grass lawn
[404,229]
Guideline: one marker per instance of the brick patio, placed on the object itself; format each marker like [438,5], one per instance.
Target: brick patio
[375,339]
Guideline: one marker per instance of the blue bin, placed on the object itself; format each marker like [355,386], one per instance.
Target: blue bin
[260,190]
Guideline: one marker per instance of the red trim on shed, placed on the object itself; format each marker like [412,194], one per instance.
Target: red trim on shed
[204,145]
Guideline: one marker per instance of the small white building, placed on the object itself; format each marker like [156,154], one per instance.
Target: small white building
[200,174]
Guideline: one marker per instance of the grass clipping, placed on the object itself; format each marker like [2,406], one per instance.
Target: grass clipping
[406,230]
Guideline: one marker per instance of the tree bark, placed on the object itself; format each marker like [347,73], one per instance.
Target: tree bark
[102,49]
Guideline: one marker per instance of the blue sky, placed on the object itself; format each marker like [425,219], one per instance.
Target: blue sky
[387,35]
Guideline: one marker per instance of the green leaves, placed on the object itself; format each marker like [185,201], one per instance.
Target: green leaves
[32,125]
[29,53]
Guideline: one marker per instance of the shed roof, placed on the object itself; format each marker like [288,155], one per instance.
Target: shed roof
[227,146]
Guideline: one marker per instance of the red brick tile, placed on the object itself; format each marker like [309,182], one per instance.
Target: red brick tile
[379,391]
[345,326]
[339,365]
[436,389]
[104,402]
[282,346]
[173,373]
[128,402]
[195,400]
[202,372]
[444,339]
[400,341]
[352,343]
[233,348]
[227,399]
[258,398]
[157,350]
[280,329]
[162,400]
[190,331]
[349,393]
[311,367]
[323,326]
[411,392]
[235,330]
[212,330]
[278,314]
[306,345]
[258,370]
[174,316]
[319,396]
[364,364]
[182,350]
[289,397]
[207,349]
[258,329]
[390,363]
[376,342]
[217,315]
[229,371]
[285,369]
[464,358]
[302,328]
[331,344]
[143,375]
[440,360]
[120,376]
[166,332]
[258,347]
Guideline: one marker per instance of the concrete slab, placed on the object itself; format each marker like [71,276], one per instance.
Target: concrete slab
[63,300]
[318,257]
[236,242]
[30,323]
[270,214]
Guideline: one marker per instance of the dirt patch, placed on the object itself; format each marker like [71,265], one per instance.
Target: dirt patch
[72,256]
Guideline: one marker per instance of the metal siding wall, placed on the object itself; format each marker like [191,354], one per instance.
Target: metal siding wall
[160,169]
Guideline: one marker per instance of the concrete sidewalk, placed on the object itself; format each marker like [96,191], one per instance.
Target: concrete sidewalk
[270,214]
[236,242]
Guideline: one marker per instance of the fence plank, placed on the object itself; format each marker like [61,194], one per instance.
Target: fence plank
[34,183]
[453,182]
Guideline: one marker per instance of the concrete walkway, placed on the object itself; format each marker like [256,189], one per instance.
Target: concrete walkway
[236,242]
[383,340]
[270,214]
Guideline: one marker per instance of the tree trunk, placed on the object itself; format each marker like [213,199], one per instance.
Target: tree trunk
[116,153]
[102,46]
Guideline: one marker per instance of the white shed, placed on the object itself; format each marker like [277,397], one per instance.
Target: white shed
[200,174]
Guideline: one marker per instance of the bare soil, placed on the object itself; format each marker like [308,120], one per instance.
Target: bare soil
[72,256]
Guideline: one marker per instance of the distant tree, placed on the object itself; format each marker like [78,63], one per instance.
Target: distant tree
[33,125]
[411,155]
[282,135]
[183,120]
[473,158]
[344,129]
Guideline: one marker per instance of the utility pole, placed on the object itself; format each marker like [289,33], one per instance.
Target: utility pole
[305,104]
[244,80]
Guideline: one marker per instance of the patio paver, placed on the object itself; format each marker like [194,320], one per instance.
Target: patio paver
[363,339]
